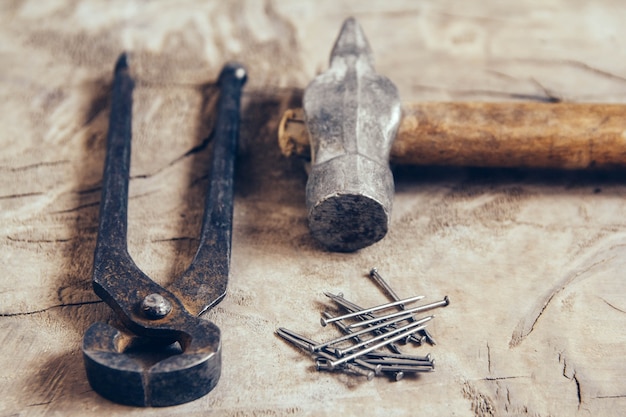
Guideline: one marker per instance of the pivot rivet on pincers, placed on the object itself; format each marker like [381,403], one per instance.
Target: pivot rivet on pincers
[155,306]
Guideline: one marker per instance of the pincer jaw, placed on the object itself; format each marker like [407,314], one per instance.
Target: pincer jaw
[118,376]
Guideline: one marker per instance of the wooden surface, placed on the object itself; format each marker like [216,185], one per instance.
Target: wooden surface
[533,261]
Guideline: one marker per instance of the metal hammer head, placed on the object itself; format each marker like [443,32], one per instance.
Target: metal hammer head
[352,115]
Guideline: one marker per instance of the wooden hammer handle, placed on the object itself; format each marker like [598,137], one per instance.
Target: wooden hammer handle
[530,135]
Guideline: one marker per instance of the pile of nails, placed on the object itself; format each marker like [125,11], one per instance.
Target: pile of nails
[369,346]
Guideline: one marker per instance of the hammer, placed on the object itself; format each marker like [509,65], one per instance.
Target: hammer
[350,118]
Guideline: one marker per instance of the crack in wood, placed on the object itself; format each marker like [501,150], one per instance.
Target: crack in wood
[508,399]
[490,93]
[77,208]
[22,195]
[175,239]
[89,190]
[97,203]
[12,239]
[573,63]
[519,335]
[200,179]
[34,166]
[571,378]
[194,150]
[578,390]
[612,306]
[500,378]
[39,404]
[551,96]
[43,310]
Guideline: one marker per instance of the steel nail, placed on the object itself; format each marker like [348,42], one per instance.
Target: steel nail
[343,328]
[374,347]
[302,342]
[429,337]
[376,368]
[285,334]
[317,347]
[380,281]
[350,306]
[419,309]
[322,364]
[324,321]
[298,336]
[407,369]
[368,373]
[341,352]
[401,362]
[399,356]
[339,299]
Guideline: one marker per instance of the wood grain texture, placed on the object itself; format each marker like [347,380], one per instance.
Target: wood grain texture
[499,135]
[532,261]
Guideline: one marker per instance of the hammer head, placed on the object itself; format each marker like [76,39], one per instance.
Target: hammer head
[352,115]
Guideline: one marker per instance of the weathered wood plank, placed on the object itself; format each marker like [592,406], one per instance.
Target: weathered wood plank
[532,260]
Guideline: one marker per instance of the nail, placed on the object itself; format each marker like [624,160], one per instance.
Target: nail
[322,364]
[368,373]
[429,337]
[380,281]
[325,321]
[301,342]
[343,327]
[407,369]
[293,340]
[360,332]
[341,352]
[362,352]
[350,306]
[297,336]
[398,376]
[401,362]
[399,356]
[376,368]
[419,309]
[339,299]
